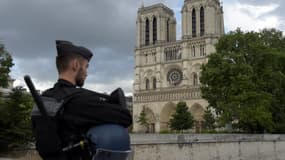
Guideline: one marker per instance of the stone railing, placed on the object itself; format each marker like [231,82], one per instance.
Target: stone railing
[169,94]
[30,154]
[208,147]
[195,147]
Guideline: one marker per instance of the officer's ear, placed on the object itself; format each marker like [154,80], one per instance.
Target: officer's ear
[75,64]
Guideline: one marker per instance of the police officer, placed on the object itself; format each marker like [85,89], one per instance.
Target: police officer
[84,108]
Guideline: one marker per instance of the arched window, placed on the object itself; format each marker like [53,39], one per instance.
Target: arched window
[147,84]
[154,26]
[202,21]
[154,57]
[195,79]
[179,54]
[167,31]
[193,23]
[201,50]
[146,59]
[154,83]
[147,32]
[193,51]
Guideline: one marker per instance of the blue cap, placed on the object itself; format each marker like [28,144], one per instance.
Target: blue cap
[66,47]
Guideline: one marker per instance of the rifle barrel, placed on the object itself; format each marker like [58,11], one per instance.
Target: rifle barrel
[35,95]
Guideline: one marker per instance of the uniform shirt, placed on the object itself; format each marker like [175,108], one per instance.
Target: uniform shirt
[85,109]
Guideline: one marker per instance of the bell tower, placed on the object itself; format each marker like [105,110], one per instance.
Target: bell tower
[202,18]
[167,70]
[155,24]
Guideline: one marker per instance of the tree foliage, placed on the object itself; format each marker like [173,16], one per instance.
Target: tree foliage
[182,118]
[6,63]
[15,122]
[143,119]
[244,81]
[209,120]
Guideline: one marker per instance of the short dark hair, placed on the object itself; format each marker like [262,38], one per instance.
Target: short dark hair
[62,61]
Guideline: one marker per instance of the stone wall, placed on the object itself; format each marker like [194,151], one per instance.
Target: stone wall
[208,147]
[195,147]
[21,155]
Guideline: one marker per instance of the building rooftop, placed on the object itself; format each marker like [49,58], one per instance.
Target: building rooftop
[5,92]
[154,7]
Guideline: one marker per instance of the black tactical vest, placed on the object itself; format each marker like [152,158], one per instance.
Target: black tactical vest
[46,128]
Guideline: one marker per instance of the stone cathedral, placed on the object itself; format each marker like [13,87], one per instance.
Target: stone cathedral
[167,70]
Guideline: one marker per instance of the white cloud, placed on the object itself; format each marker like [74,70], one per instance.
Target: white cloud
[250,17]
[39,85]
[125,84]
[257,11]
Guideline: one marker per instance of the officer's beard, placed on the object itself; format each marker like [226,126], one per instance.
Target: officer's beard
[79,79]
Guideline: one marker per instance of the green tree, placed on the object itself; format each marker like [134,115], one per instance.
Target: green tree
[6,63]
[182,118]
[143,119]
[209,120]
[244,80]
[273,75]
[15,119]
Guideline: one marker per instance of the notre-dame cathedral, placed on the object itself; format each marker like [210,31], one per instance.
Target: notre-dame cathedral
[167,70]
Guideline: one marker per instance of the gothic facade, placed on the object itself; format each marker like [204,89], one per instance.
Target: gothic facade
[167,70]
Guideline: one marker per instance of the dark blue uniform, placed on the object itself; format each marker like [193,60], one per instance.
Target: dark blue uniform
[85,109]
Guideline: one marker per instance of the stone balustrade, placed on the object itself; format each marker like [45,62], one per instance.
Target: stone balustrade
[169,94]
[194,147]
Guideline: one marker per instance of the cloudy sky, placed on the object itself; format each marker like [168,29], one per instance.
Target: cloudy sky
[29,29]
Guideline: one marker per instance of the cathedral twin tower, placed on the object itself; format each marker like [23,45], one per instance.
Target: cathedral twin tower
[167,70]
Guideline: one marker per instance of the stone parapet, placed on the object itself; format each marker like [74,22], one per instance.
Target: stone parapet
[208,147]
[194,147]
[142,139]
[167,94]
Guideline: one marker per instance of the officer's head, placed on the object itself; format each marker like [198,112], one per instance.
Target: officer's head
[72,62]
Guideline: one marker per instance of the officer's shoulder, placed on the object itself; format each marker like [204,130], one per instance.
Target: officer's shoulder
[87,92]
[83,90]
[48,93]
[100,96]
